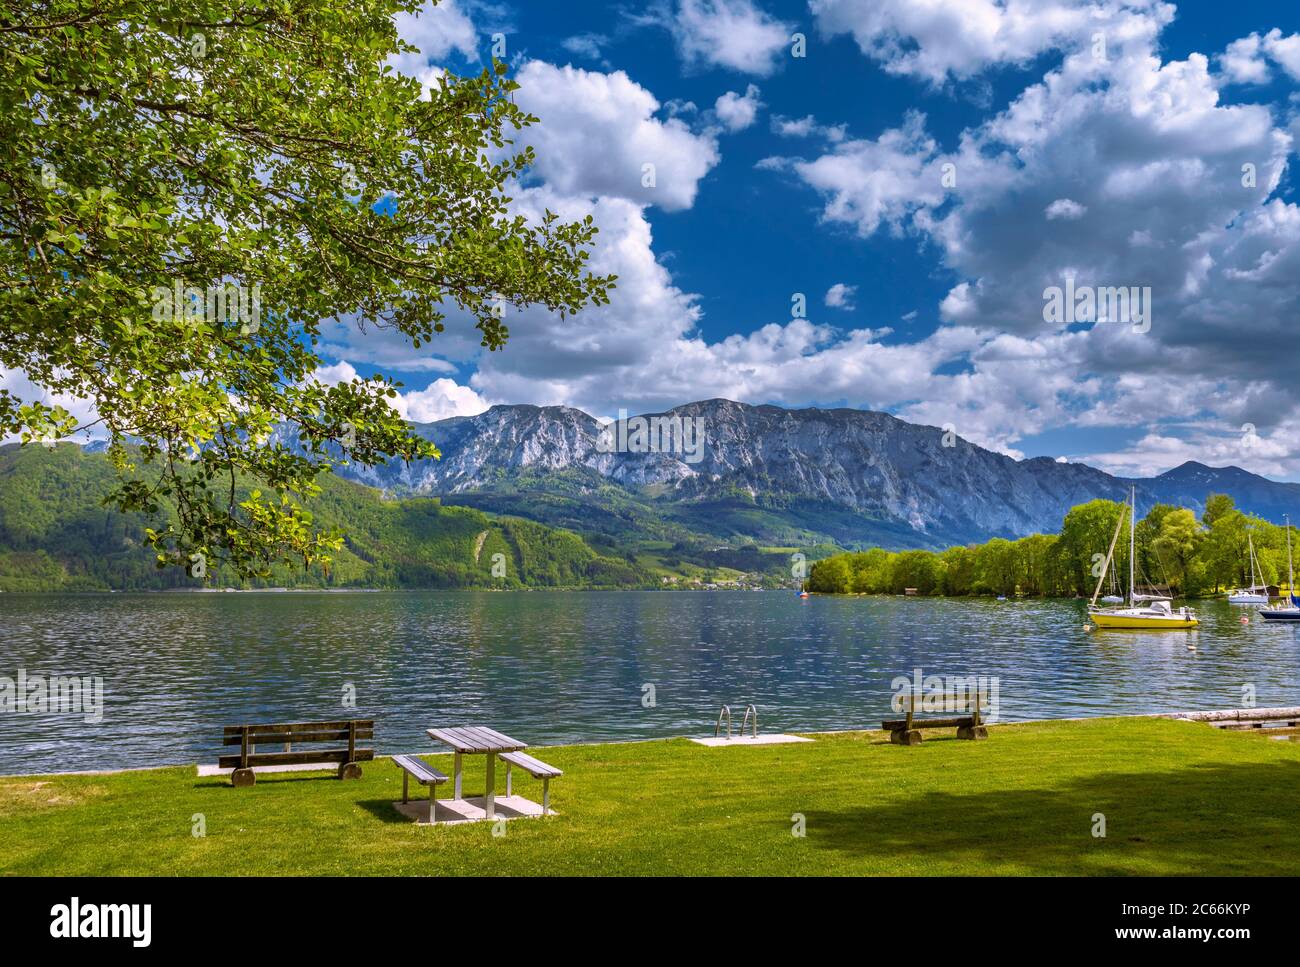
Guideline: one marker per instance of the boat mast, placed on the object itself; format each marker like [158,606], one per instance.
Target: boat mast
[1132,529]
[1105,568]
[1290,574]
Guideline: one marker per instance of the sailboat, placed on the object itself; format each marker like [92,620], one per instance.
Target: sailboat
[1252,594]
[1291,611]
[1157,613]
[1114,597]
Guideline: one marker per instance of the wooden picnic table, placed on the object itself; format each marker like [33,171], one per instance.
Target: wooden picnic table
[477,740]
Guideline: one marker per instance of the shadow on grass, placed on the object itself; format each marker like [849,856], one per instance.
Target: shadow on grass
[383,809]
[1199,820]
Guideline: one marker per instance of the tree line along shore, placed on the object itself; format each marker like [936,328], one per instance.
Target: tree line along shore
[1176,552]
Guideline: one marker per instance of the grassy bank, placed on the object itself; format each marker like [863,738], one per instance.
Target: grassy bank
[1179,798]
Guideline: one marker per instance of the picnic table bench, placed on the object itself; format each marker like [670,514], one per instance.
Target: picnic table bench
[425,775]
[477,739]
[906,731]
[535,768]
[347,733]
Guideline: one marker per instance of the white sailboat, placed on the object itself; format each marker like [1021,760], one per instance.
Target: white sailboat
[1257,593]
[1291,610]
[1157,613]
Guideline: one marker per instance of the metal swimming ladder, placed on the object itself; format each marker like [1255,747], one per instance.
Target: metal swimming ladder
[750,711]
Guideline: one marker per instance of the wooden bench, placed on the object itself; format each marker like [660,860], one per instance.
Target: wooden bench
[425,775]
[346,732]
[906,731]
[535,768]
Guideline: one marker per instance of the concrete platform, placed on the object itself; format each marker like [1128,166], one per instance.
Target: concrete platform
[775,738]
[470,810]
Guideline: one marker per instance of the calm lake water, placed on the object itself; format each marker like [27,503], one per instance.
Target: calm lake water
[560,667]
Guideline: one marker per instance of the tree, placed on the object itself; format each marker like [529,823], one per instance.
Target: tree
[1037,563]
[831,575]
[1176,546]
[915,569]
[997,566]
[1216,506]
[1152,568]
[958,573]
[1086,534]
[189,188]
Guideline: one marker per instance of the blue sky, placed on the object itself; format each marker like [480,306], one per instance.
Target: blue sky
[1115,164]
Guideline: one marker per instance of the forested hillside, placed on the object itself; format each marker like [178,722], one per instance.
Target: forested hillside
[56,535]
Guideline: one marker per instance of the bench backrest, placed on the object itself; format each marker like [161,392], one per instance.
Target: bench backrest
[961,700]
[346,733]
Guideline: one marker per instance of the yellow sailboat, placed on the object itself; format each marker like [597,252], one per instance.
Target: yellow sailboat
[1155,613]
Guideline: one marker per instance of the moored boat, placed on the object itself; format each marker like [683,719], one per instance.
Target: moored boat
[1257,593]
[1155,613]
[1291,610]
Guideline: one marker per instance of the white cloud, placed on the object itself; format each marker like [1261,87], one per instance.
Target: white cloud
[1065,208]
[870,182]
[586,45]
[1246,60]
[738,111]
[435,30]
[598,133]
[1243,61]
[1285,51]
[734,34]
[22,388]
[807,126]
[335,373]
[841,296]
[938,40]
[440,400]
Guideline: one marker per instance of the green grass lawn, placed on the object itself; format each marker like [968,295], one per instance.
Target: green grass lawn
[1178,798]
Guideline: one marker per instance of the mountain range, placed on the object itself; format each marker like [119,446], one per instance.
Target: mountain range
[559,499]
[771,475]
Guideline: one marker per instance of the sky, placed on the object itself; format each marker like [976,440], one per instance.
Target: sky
[862,203]
[917,174]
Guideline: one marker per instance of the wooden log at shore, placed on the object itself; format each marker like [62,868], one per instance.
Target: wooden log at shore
[1238,714]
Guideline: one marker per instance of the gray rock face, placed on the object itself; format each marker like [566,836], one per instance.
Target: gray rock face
[865,462]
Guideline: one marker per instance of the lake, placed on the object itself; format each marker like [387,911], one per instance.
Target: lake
[558,667]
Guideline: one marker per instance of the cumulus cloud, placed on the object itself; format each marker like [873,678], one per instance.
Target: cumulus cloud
[939,41]
[1066,208]
[598,133]
[869,182]
[1243,62]
[738,111]
[441,399]
[841,296]
[807,126]
[734,34]
[435,31]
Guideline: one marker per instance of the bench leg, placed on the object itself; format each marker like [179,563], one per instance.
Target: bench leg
[905,736]
[243,777]
[406,781]
[457,771]
[546,796]
[972,732]
[433,803]
[508,789]
[490,790]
